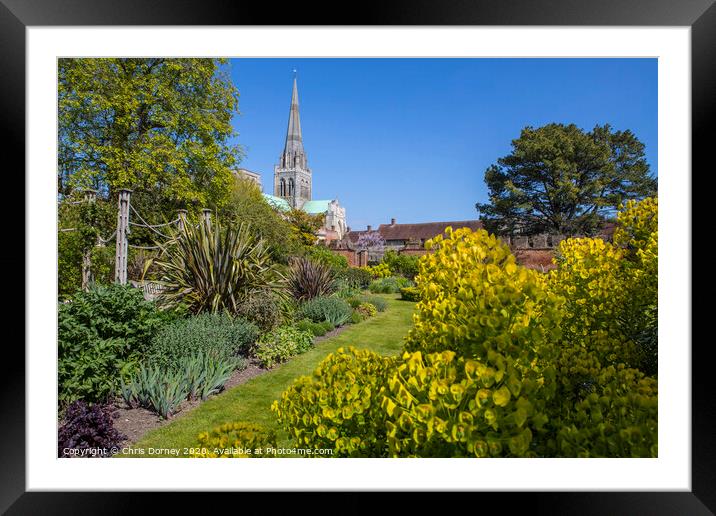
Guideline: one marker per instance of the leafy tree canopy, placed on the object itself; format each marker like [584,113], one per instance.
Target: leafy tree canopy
[305,225]
[247,205]
[562,179]
[161,127]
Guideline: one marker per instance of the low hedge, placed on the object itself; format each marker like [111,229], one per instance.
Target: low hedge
[332,309]
[390,285]
[410,294]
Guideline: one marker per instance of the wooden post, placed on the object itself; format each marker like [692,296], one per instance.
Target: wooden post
[207,217]
[120,265]
[182,220]
[90,197]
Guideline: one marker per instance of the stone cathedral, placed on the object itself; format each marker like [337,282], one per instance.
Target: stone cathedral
[293,180]
[292,177]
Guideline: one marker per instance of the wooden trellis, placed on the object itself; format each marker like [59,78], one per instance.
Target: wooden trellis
[122,244]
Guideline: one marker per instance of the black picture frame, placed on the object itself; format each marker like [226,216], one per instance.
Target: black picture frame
[17,15]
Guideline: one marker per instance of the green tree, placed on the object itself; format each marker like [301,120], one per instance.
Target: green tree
[161,127]
[248,206]
[305,225]
[562,179]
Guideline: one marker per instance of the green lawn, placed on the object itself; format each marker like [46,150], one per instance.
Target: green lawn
[252,400]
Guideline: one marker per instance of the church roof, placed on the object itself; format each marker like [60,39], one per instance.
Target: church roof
[277,202]
[316,206]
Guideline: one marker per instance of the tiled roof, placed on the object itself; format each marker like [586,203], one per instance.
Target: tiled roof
[420,231]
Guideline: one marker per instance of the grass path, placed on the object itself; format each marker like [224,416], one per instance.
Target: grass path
[252,400]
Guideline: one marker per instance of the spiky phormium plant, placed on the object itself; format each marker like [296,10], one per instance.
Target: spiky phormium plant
[308,279]
[214,269]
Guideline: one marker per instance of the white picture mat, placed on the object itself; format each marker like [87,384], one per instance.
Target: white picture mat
[670,471]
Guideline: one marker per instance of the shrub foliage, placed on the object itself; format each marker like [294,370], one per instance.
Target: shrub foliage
[410,294]
[332,309]
[214,269]
[217,335]
[88,427]
[338,406]
[233,440]
[309,279]
[357,276]
[403,264]
[262,309]
[281,344]
[389,285]
[101,335]
[366,310]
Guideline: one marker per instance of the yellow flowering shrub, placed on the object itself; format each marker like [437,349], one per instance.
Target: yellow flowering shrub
[442,405]
[638,234]
[475,299]
[381,270]
[503,325]
[607,398]
[638,224]
[612,288]
[338,406]
[590,276]
[232,440]
[602,411]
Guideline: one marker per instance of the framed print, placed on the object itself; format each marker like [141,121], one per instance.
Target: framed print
[423,248]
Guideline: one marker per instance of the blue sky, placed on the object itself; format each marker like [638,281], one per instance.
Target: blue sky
[411,138]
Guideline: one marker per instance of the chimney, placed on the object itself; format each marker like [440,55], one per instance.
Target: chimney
[392,222]
[370,227]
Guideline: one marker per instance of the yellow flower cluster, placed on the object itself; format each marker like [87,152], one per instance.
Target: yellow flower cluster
[378,271]
[474,298]
[232,440]
[590,277]
[338,406]
[448,406]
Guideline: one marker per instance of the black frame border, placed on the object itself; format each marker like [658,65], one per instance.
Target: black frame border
[17,15]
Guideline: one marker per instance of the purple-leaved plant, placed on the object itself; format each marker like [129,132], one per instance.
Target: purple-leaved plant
[87,431]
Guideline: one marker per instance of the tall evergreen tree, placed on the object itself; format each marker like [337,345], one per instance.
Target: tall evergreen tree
[562,179]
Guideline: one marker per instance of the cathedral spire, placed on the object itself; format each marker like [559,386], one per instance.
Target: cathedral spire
[293,153]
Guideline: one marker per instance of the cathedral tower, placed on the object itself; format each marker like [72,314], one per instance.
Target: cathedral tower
[292,177]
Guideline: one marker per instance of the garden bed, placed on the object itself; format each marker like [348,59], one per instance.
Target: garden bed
[250,400]
[134,423]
